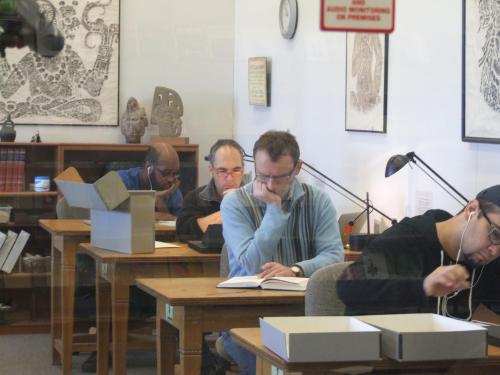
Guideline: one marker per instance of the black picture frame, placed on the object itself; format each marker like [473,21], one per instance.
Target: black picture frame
[480,85]
[367,67]
[79,86]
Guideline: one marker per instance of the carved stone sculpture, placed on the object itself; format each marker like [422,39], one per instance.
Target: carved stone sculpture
[167,111]
[133,121]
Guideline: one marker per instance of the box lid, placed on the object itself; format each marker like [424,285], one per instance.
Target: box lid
[107,193]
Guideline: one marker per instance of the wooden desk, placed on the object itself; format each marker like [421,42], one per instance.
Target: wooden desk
[193,306]
[116,272]
[250,339]
[66,236]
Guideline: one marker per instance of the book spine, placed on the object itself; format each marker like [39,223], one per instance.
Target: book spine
[9,170]
[3,165]
[19,169]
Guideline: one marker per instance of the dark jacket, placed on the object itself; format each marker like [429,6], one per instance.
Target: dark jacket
[388,277]
[200,202]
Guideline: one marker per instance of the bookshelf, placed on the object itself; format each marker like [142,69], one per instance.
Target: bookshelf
[28,293]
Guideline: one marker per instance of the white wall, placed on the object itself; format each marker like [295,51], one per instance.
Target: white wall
[184,45]
[424,102]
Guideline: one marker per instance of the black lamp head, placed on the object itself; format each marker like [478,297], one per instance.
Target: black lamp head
[395,163]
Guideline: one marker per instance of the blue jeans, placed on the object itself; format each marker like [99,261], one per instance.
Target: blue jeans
[244,358]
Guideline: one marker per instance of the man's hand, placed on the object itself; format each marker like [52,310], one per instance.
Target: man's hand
[161,197]
[446,279]
[272,269]
[204,222]
[261,192]
[226,192]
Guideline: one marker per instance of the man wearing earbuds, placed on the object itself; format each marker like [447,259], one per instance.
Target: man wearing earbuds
[277,226]
[160,173]
[434,262]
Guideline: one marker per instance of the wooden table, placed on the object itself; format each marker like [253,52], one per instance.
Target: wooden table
[116,272]
[66,236]
[192,306]
[250,339]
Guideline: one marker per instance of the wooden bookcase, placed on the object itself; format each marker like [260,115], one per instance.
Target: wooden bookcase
[27,291]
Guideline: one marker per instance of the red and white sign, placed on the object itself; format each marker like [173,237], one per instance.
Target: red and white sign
[358,15]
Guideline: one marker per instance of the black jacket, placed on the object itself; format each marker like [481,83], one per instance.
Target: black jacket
[388,277]
[200,202]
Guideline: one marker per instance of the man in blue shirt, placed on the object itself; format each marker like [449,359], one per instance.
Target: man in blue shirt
[160,173]
[277,226]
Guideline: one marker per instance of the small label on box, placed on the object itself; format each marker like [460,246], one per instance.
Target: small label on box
[169,312]
[104,269]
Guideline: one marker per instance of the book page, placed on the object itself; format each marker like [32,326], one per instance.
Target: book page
[14,254]
[7,245]
[241,282]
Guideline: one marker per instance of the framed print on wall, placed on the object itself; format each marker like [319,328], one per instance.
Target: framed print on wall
[79,86]
[366,82]
[480,71]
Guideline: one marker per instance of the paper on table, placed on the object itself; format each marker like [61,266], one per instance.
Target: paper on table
[170,223]
[159,244]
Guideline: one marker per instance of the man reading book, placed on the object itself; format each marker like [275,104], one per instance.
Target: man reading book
[277,226]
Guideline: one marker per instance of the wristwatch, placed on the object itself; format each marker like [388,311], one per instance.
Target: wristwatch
[297,271]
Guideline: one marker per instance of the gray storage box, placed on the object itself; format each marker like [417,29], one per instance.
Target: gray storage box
[428,337]
[121,220]
[320,338]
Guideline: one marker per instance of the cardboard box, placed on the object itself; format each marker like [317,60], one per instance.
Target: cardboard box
[428,337]
[121,220]
[320,338]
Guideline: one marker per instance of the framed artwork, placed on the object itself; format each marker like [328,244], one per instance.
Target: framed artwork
[79,86]
[480,71]
[366,82]
[258,83]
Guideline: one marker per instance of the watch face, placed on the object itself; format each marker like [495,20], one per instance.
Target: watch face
[288,18]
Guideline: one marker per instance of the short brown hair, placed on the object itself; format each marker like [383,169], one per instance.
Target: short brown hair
[276,144]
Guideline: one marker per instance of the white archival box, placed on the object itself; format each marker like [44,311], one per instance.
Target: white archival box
[320,338]
[428,337]
[121,220]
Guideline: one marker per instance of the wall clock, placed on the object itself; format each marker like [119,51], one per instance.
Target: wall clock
[288,18]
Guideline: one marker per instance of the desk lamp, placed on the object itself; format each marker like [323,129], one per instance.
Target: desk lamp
[365,204]
[396,162]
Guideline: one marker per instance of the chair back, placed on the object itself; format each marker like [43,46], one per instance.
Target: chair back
[224,262]
[321,294]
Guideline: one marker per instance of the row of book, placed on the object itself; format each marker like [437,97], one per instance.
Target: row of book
[12,162]
[11,247]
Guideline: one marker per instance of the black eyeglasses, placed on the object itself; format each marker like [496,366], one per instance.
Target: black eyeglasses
[224,173]
[168,173]
[494,233]
[277,179]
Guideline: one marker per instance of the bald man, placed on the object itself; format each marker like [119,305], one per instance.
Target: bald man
[160,173]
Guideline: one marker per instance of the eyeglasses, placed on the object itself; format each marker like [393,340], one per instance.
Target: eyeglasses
[277,179]
[168,173]
[494,233]
[223,172]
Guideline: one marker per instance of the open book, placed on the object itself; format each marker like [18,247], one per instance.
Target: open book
[277,283]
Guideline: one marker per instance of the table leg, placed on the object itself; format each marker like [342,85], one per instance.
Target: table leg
[103,307]
[55,303]
[68,305]
[119,311]
[190,341]
[166,343]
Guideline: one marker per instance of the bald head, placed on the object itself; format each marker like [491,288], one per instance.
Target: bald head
[162,165]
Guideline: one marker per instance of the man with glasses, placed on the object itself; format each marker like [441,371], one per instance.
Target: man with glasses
[434,262]
[277,226]
[201,207]
[160,173]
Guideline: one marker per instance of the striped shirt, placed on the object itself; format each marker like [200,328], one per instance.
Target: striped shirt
[304,231]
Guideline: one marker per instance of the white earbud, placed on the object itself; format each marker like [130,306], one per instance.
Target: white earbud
[470,216]
[149,170]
